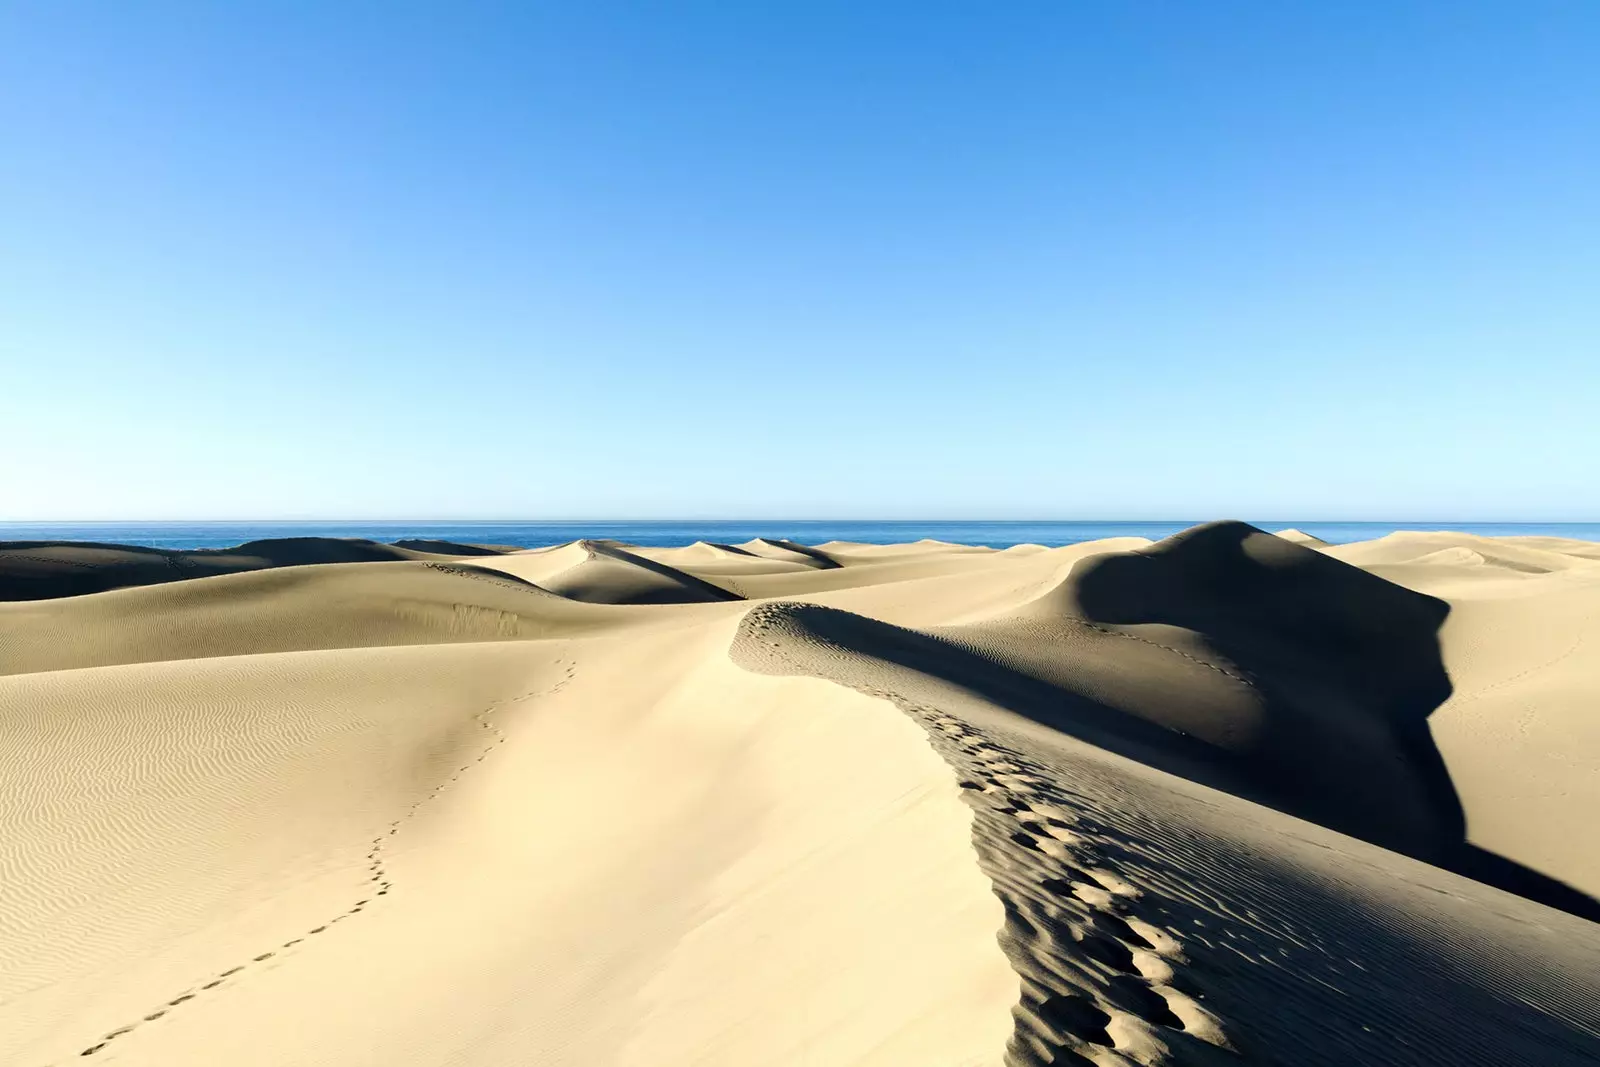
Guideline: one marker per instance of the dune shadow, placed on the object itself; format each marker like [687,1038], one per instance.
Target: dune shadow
[816,555]
[733,550]
[451,548]
[48,570]
[677,586]
[940,668]
[1348,666]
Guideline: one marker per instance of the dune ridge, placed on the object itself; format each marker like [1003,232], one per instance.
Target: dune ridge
[1099,891]
[1231,797]
[40,570]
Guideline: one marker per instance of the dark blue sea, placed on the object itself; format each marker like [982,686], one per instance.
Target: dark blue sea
[536,534]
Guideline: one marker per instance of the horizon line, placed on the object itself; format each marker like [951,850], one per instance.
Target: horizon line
[758,519]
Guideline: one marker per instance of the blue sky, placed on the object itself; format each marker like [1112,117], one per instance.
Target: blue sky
[820,259]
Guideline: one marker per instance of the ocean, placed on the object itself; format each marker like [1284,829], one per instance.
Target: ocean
[807,531]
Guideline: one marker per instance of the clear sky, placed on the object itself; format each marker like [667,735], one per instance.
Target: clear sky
[807,259]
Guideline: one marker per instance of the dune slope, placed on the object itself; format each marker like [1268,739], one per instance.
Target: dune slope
[1134,898]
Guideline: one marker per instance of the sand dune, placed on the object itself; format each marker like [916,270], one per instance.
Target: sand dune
[1227,798]
[1521,647]
[286,610]
[1300,537]
[453,548]
[39,570]
[790,551]
[1528,555]
[604,572]
[1315,676]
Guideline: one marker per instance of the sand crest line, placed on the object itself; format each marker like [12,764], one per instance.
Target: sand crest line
[377,872]
[1100,975]
[479,574]
[1039,850]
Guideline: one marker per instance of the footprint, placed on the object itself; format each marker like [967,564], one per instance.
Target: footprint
[1093,895]
[1057,815]
[1043,828]
[1132,995]
[1026,840]
[1076,1017]
[1114,883]
[1160,942]
[1152,967]
[1195,1019]
[1054,848]
[1101,987]
[1111,953]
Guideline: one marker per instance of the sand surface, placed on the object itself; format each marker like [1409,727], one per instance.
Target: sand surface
[1229,798]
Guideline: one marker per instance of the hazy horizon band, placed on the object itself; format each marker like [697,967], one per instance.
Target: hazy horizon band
[177,534]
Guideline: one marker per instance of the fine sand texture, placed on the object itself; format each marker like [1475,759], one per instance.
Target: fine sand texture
[1235,797]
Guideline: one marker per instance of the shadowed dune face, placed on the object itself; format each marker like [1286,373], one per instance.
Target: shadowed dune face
[1348,666]
[1261,596]
[452,548]
[44,570]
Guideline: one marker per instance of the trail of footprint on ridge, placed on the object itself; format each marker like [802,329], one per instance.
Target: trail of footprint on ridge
[1142,934]
[377,872]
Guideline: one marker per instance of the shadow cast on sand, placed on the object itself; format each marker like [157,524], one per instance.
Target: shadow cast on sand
[46,570]
[614,575]
[822,560]
[1321,676]
[1349,667]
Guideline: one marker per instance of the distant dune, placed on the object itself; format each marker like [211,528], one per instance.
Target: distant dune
[1233,797]
[1300,537]
[41,570]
